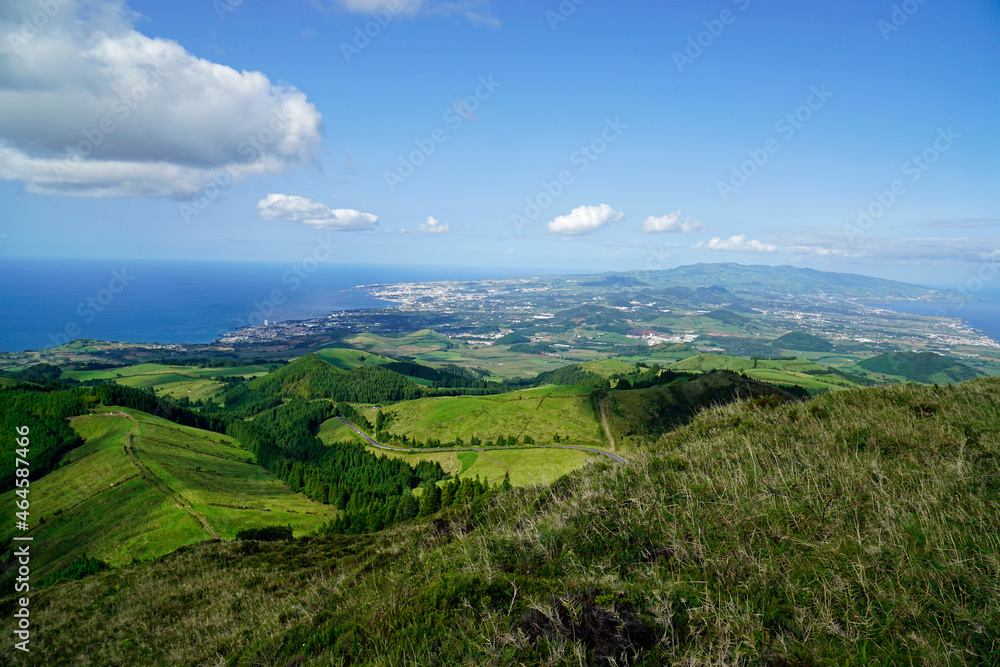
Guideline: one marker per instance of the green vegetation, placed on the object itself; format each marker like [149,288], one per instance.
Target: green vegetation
[44,413]
[310,377]
[642,414]
[924,367]
[140,486]
[858,528]
[346,359]
[792,372]
[802,342]
[541,413]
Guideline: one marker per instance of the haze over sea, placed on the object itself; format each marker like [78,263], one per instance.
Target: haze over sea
[169,301]
[983,315]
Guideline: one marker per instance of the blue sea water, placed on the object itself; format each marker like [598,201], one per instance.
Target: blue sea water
[49,301]
[983,314]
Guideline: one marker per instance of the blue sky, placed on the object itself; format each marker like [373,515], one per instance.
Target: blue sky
[731,130]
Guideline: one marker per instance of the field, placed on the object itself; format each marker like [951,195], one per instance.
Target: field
[174,381]
[141,487]
[798,372]
[434,349]
[542,413]
[346,359]
[527,467]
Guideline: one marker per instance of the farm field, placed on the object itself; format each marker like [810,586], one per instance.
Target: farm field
[174,381]
[541,413]
[141,487]
[527,467]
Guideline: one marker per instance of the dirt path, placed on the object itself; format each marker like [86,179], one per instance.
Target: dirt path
[129,450]
[162,487]
[492,458]
[375,443]
[604,422]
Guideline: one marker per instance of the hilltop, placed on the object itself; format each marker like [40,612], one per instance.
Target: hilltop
[924,367]
[859,525]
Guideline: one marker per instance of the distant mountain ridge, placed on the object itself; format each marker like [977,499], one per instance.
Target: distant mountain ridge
[786,279]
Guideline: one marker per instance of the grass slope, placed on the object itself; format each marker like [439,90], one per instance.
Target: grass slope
[527,467]
[119,506]
[926,367]
[541,413]
[641,414]
[860,528]
[798,372]
[345,359]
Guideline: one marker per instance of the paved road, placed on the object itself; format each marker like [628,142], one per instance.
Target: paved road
[376,443]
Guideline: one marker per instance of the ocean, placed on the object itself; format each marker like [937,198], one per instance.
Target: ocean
[47,302]
[983,315]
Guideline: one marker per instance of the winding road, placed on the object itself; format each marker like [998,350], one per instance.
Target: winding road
[375,443]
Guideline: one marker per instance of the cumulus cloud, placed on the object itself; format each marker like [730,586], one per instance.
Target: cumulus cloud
[433,226]
[671,223]
[584,220]
[477,12]
[314,214]
[735,243]
[93,107]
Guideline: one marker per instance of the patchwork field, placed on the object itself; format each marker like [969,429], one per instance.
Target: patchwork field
[141,487]
[174,381]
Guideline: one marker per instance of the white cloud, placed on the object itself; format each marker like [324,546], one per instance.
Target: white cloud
[736,243]
[433,226]
[671,223]
[896,249]
[92,107]
[477,12]
[584,220]
[314,214]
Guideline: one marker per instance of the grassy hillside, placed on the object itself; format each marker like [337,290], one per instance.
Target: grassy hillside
[860,528]
[924,367]
[171,380]
[527,467]
[648,413]
[541,413]
[141,487]
[797,372]
[802,342]
[345,359]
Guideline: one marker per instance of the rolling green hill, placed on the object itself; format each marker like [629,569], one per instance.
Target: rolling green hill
[345,359]
[541,413]
[802,342]
[141,486]
[797,372]
[787,280]
[858,528]
[925,367]
[311,377]
[649,413]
